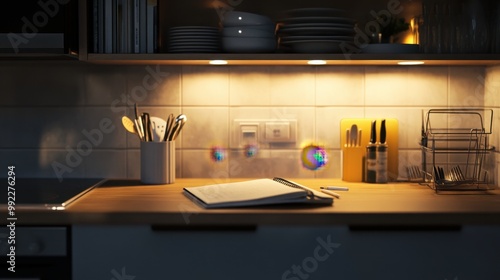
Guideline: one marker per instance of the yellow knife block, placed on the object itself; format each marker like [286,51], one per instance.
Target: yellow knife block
[353,158]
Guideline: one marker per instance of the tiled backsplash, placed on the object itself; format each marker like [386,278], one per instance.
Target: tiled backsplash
[64,118]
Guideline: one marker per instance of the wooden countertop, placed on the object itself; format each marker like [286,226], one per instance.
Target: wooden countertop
[394,204]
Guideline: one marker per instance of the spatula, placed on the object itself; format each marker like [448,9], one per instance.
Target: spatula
[159,127]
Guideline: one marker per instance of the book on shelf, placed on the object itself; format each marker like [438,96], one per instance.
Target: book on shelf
[124,26]
[254,193]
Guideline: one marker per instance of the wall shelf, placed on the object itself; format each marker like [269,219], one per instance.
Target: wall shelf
[295,59]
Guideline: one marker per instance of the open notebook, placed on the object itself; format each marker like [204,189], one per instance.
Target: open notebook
[255,192]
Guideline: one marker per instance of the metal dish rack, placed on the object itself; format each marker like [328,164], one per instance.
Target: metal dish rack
[455,149]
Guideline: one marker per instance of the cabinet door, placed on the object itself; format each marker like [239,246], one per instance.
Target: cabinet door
[28,26]
[330,252]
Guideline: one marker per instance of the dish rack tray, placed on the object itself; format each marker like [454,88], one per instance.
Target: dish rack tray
[455,149]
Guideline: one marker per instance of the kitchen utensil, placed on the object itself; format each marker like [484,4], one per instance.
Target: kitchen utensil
[129,125]
[139,132]
[139,122]
[179,123]
[354,136]
[159,127]
[383,132]
[182,119]
[148,129]
[136,110]
[437,176]
[353,158]
[373,132]
[169,124]
[413,172]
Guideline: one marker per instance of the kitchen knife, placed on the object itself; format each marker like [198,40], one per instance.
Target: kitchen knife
[383,132]
[373,133]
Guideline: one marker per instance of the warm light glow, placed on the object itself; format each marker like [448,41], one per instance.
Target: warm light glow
[411,62]
[316,62]
[218,62]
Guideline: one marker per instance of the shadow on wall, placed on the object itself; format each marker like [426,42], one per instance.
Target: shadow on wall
[43,113]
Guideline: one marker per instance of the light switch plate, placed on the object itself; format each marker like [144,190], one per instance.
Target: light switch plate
[263,131]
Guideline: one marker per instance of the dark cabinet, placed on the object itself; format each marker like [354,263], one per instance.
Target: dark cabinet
[38,27]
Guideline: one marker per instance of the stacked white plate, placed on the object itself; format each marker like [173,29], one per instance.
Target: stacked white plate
[244,32]
[315,30]
[194,39]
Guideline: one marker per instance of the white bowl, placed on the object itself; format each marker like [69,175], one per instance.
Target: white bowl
[235,18]
[248,45]
[249,31]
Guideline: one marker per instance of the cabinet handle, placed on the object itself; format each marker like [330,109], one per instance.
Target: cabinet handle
[220,228]
[400,228]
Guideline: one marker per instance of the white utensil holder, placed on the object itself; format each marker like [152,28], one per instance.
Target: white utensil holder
[158,162]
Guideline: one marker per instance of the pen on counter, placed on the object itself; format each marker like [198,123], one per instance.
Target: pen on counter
[334,194]
[335,188]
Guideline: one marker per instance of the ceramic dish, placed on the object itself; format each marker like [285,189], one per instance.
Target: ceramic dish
[315,38]
[235,18]
[248,31]
[317,30]
[318,19]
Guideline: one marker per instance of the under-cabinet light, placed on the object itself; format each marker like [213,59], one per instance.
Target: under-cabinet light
[411,62]
[316,62]
[218,62]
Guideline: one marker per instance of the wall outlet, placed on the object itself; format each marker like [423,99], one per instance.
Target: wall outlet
[261,131]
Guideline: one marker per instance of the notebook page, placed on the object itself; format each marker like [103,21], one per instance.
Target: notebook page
[245,191]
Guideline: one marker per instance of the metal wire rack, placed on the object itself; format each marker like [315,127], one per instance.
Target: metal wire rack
[455,149]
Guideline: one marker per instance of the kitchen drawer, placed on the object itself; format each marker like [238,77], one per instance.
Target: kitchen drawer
[279,252]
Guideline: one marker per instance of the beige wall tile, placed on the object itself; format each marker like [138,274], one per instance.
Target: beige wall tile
[199,164]
[154,85]
[336,86]
[206,127]
[249,85]
[292,86]
[386,85]
[106,86]
[258,166]
[409,123]
[212,97]
[492,86]
[427,86]
[25,83]
[40,163]
[333,168]
[287,164]
[466,87]
[406,86]
[106,164]
[205,85]
[303,115]
[328,124]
